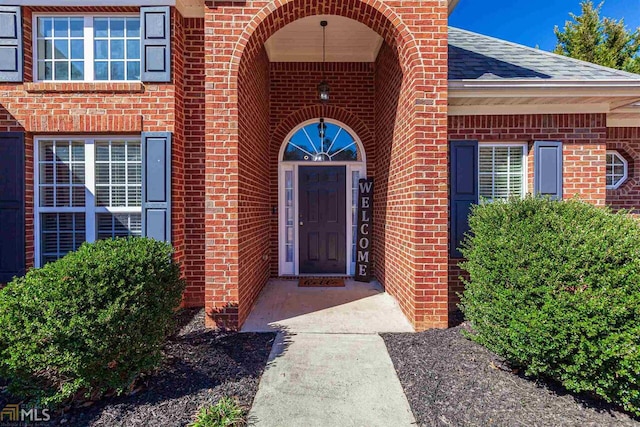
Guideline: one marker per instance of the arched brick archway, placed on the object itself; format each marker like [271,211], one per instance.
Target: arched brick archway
[410,114]
[374,13]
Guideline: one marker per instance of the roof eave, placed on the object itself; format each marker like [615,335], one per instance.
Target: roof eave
[452,5]
[545,88]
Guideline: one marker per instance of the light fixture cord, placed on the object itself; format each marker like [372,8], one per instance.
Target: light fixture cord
[324,46]
[324,52]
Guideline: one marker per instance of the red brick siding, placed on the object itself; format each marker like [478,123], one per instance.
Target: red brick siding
[236,33]
[584,138]
[178,140]
[627,142]
[194,124]
[389,207]
[254,213]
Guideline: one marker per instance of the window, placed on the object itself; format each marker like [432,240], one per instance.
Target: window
[87,48]
[502,171]
[617,169]
[322,142]
[87,189]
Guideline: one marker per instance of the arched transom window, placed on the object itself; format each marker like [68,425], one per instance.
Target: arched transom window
[321,141]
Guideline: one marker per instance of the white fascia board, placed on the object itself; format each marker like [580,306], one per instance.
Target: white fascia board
[481,110]
[62,3]
[514,83]
[614,121]
[554,88]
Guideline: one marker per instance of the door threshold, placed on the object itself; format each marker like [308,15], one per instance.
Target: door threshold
[311,276]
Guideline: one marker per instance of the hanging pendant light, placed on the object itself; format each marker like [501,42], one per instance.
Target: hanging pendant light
[323,87]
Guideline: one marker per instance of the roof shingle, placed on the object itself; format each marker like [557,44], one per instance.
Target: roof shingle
[474,56]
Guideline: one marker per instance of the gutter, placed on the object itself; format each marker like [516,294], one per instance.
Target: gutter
[543,88]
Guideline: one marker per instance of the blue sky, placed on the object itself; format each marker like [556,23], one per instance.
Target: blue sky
[531,23]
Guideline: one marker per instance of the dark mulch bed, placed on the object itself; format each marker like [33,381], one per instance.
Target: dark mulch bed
[452,381]
[200,367]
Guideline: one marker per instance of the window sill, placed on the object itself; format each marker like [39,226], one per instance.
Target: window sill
[84,87]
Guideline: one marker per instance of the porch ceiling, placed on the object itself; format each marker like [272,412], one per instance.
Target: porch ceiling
[301,41]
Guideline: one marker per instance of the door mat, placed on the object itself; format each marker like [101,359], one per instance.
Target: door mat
[319,282]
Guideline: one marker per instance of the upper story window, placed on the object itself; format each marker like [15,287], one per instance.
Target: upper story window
[87,48]
[617,170]
[502,171]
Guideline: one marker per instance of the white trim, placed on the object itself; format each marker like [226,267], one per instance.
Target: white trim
[542,83]
[293,268]
[544,89]
[89,40]
[615,121]
[90,189]
[188,8]
[65,3]
[525,156]
[90,209]
[625,174]
[480,110]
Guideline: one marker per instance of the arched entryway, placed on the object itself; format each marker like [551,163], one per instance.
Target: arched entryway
[319,165]
[399,95]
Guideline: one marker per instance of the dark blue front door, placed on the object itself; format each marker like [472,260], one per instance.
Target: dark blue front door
[322,209]
[12,239]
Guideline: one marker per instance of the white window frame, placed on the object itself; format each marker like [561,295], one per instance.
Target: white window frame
[89,75]
[625,175]
[525,166]
[293,268]
[90,209]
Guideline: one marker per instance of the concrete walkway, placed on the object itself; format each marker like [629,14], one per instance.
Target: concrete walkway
[328,365]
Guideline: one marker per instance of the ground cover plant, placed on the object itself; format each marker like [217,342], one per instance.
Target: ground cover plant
[554,288]
[225,413]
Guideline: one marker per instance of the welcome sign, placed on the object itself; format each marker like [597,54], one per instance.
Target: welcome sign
[363,246]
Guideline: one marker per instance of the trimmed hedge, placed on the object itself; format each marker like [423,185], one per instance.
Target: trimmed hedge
[555,289]
[89,322]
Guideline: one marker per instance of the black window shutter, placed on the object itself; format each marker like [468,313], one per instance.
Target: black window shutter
[10,44]
[156,185]
[548,169]
[464,190]
[155,30]
[12,238]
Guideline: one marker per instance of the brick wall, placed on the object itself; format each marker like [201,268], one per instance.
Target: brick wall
[254,212]
[627,142]
[194,124]
[178,178]
[584,138]
[388,206]
[236,33]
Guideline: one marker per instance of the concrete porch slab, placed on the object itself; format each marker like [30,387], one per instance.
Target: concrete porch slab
[358,308]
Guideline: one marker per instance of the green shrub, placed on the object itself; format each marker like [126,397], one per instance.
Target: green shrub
[555,289]
[225,413]
[89,322]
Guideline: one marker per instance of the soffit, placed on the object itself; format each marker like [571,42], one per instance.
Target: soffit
[301,41]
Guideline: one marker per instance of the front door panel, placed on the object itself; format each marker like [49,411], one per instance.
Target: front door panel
[322,222]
